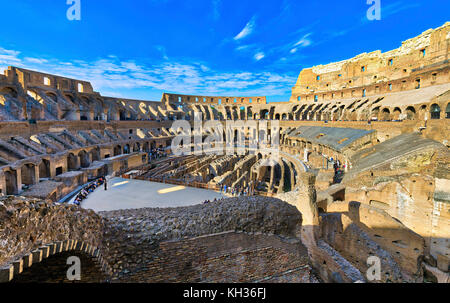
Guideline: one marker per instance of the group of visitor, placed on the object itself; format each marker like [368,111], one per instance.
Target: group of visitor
[238,190]
[156,153]
[208,201]
[89,189]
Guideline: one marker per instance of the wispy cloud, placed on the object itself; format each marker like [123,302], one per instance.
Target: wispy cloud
[247,30]
[303,42]
[259,56]
[36,60]
[8,57]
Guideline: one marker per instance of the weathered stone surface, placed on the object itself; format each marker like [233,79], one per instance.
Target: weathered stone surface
[249,214]
[28,224]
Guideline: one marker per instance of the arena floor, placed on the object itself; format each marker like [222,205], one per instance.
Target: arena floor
[129,194]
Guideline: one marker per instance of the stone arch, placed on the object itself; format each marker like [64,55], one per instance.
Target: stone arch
[136,147]
[28,174]
[9,90]
[50,264]
[84,159]
[94,154]
[242,113]
[435,111]
[447,111]
[72,162]
[283,116]
[264,114]
[410,113]
[385,114]
[55,228]
[277,116]
[126,149]
[52,96]
[117,150]
[35,95]
[396,114]
[44,169]
[11,182]
[249,112]
[318,115]
[228,112]
[98,106]
[335,115]
[70,98]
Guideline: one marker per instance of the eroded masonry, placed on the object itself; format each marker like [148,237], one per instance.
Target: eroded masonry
[363,171]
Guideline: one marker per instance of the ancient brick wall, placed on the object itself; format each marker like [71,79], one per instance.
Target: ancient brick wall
[365,231]
[148,242]
[226,257]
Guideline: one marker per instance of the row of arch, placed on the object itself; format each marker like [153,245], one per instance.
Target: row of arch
[32,172]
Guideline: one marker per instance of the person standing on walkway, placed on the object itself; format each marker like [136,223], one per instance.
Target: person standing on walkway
[106,184]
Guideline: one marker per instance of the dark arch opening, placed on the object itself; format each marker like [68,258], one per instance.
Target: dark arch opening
[435,111]
[72,163]
[9,91]
[410,113]
[44,169]
[54,270]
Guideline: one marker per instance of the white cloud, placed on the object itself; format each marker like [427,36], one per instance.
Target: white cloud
[9,56]
[36,60]
[304,41]
[259,56]
[247,30]
[243,47]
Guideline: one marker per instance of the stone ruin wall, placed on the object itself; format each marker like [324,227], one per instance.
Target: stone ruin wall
[214,100]
[342,235]
[256,237]
[370,69]
[228,257]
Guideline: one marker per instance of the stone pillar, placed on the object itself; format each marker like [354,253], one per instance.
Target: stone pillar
[281,185]
[272,177]
[19,180]
[36,174]
[3,184]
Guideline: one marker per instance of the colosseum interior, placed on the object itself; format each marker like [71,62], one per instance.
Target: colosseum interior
[363,170]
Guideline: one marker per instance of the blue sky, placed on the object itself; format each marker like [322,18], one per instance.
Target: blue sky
[139,49]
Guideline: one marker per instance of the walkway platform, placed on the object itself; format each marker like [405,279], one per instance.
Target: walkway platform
[132,194]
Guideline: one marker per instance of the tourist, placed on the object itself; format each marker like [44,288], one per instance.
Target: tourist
[105,184]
